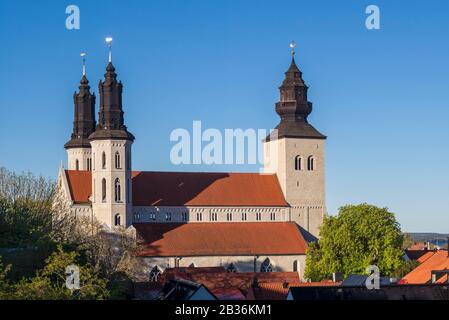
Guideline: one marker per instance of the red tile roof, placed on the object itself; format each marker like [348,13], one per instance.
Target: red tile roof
[419,246]
[279,290]
[227,286]
[425,256]
[190,188]
[230,238]
[80,185]
[423,273]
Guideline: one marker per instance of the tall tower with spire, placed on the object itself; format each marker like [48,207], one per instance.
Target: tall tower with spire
[295,152]
[111,151]
[78,147]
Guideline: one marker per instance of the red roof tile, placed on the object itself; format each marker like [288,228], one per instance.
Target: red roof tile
[190,188]
[228,285]
[425,256]
[80,185]
[423,273]
[279,290]
[231,238]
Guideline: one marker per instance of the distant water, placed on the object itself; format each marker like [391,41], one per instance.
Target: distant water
[439,242]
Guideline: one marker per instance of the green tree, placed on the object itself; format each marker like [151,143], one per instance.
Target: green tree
[50,282]
[359,236]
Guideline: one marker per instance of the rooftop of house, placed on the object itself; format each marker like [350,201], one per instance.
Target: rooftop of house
[419,255]
[190,189]
[422,274]
[388,292]
[230,285]
[219,239]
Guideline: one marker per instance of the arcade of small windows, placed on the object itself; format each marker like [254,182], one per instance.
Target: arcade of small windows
[310,163]
[152,216]
[168,216]
[184,216]
[231,268]
[89,164]
[272,216]
[258,216]
[229,216]
[199,216]
[266,266]
[213,216]
[155,273]
[244,216]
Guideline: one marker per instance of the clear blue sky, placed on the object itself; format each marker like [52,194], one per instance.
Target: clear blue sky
[382,97]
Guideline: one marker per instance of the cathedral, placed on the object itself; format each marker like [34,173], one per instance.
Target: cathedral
[241,221]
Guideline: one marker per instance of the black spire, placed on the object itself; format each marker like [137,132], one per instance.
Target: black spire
[294,108]
[84,118]
[110,121]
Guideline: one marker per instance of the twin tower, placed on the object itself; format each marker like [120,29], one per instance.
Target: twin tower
[103,148]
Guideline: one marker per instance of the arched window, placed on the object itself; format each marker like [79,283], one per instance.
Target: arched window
[311,163]
[231,268]
[118,192]
[103,160]
[298,163]
[89,164]
[266,266]
[155,273]
[117,219]
[103,190]
[295,266]
[77,165]
[117,160]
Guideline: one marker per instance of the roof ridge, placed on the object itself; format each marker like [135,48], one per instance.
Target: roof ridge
[205,172]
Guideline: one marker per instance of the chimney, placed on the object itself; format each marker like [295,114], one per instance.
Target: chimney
[337,276]
[434,277]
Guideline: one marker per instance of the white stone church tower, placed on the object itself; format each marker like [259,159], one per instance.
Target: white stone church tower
[105,151]
[295,153]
